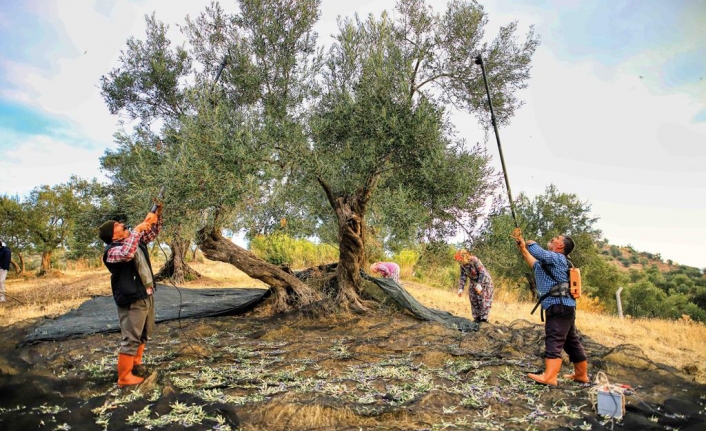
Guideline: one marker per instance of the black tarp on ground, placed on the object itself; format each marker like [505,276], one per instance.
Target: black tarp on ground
[407,301]
[100,313]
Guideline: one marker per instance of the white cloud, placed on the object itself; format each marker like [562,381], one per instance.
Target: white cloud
[42,160]
[71,89]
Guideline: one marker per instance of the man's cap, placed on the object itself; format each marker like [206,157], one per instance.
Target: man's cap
[105,232]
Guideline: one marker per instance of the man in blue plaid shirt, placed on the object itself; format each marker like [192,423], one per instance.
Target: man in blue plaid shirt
[551,268]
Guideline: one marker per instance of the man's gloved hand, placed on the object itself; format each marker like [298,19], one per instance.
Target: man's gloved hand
[144,226]
[459,293]
[150,219]
[153,216]
[478,288]
[517,234]
[159,205]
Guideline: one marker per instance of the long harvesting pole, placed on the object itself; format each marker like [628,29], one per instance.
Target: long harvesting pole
[479,60]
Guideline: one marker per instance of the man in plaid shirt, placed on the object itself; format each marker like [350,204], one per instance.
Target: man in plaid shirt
[551,268]
[132,282]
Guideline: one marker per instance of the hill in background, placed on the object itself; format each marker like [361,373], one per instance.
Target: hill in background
[626,258]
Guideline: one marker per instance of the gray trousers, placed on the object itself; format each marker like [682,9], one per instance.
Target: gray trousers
[3,274]
[136,324]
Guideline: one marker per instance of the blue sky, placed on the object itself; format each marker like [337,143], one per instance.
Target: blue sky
[615,110]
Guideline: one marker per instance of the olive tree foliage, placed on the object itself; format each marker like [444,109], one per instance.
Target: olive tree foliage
[147,85]
[250,118]
[94,199]
[441,49]
[151,89]
[50,215]
[241,135]
[381,141]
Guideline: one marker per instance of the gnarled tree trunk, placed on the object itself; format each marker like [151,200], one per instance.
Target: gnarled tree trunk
[176,269]
[351,249]
[18,269]
[350,213]
[216,247]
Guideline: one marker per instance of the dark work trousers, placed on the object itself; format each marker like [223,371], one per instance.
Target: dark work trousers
[136,324]
[560,333]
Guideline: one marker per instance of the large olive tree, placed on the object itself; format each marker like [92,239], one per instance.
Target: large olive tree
[321,139]
[381,142]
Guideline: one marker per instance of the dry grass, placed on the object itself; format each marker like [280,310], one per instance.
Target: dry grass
[298,416]
[219,274]
[55,294]
[676,343]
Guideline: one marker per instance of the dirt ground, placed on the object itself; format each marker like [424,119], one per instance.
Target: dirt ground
[381,370]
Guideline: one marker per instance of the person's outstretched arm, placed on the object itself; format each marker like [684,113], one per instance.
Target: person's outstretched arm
[522,245]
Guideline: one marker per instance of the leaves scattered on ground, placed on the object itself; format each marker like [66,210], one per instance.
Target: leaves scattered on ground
[294,372]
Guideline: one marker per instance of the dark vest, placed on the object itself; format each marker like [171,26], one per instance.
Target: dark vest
[5,257]
[125,281]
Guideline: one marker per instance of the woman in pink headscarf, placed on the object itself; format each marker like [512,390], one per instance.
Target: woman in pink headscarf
[480,291]
[387,270]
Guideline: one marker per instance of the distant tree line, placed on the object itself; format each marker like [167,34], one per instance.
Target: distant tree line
[54,217]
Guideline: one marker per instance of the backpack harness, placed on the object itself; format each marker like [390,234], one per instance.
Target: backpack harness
[560,290]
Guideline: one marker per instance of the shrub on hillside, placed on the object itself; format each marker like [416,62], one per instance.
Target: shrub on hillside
[590,304]
[406,259]
[445,277]
[644,299]
[436,266]
[676,306]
